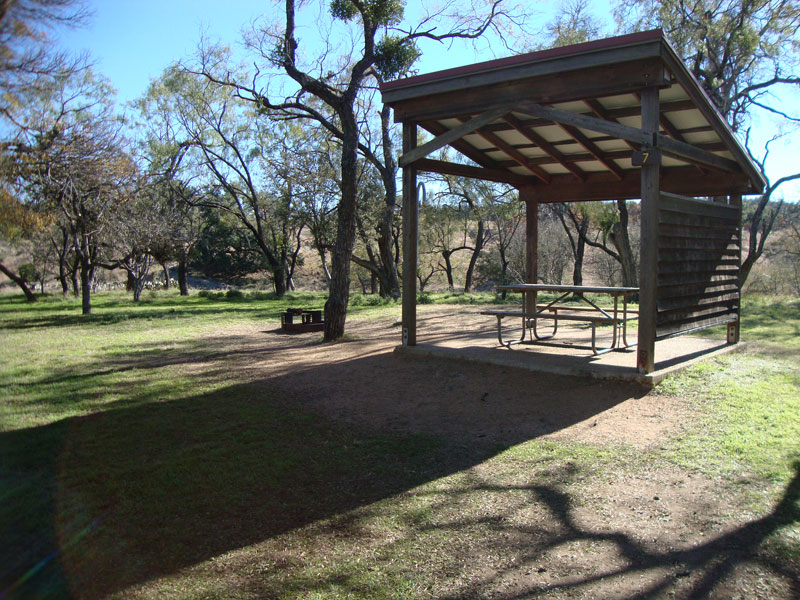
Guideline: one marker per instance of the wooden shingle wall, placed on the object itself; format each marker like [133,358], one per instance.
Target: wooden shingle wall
[698,264]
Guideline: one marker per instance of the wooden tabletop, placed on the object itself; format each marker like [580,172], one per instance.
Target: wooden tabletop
[588,289]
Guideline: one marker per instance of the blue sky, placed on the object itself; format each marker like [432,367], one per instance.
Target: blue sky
[132,42]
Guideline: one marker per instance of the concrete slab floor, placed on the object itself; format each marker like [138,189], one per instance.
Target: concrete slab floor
[469,336]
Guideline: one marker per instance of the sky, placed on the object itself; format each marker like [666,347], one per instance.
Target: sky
[132,42]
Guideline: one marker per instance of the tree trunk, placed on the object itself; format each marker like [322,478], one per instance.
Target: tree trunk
[448,270]
[76,287]
[138,285]
[580,251]
[386,241]
[62,251]
[183,282]
[86,288]
[279,280]
[166,274]
[62,277]
[29,295]
[503,269]
[324,259]
[619,237]
[473,260]
[760,227]
[339,295]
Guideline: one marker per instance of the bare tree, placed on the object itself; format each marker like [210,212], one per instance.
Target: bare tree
[743,53]
[69,161]
[383,48]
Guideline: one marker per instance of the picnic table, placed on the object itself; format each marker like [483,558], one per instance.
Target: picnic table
[585,311]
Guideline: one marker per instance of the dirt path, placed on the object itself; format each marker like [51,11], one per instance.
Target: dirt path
[550,529]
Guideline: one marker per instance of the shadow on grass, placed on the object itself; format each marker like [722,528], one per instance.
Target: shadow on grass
[110,309]
[92,505]
[105,316]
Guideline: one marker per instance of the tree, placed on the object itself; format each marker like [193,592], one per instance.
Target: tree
[506,215]
[29,61]
[29,64]
[578,216]
[382,48]
[17,222]
[743,52]
[224,249]
[69,162]
[139,226]
[231,154]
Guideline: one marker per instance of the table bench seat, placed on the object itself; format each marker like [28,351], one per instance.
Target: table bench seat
[557,313]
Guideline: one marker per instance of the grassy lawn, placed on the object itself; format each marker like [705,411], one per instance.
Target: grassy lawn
[126,473]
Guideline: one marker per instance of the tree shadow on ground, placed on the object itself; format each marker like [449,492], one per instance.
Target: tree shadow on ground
[700,570]
[92,505]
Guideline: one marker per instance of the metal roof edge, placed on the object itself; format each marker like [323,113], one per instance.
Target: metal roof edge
[517,60]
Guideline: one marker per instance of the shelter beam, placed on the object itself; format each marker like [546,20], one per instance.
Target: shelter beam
[630,134]
[451,135]
[546,146]
[462,170]
[648,261]
[410,239]
[515,154]
[531,244]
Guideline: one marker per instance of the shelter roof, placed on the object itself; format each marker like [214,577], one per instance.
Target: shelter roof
[566,123]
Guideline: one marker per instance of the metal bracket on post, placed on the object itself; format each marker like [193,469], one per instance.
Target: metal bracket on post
[733,333]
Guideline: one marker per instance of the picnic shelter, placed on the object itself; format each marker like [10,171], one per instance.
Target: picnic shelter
[617,118]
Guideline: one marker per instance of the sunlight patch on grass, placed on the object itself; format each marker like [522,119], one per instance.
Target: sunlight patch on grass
[747,407]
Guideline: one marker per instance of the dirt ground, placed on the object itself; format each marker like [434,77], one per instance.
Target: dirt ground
[556,532]
[361,381]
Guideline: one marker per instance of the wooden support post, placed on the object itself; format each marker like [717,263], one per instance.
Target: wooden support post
[733,328]
[531,245]
[648,263]
[410,236]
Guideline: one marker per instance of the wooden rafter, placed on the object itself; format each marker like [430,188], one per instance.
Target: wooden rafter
[546,146]
[593,149]
[585,157]
[461,170]
[600,111]
[515,154]
[670,128]
[668,145]
[464,147]
[612,114]
[451,135]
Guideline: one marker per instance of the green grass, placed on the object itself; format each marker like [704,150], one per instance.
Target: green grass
[136,470]
[59,363]
[748,404]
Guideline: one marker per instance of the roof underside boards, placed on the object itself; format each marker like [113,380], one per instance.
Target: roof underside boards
[566,123]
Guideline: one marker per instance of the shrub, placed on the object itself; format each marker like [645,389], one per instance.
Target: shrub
[425,298]
[368,300]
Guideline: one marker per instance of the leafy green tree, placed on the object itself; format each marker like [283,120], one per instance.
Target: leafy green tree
[743,53]
[219,144]
[69,161]
[224,250]
[383,48]
[30,64]
[29,59]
